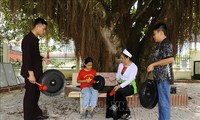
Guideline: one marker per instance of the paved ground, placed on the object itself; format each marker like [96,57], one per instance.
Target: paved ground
[62,108]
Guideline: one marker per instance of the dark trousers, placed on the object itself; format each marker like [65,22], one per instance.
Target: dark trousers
[30,103]
[120,100]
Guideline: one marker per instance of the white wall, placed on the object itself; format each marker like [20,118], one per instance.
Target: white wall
[182,74]
[6,53]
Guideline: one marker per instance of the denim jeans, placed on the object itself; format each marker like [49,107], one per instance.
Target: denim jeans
[90,97]
[164,100]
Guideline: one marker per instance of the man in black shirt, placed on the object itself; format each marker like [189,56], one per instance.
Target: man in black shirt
[32,70]
[162,69]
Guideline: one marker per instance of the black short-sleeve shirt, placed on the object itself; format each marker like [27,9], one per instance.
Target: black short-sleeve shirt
[163,50]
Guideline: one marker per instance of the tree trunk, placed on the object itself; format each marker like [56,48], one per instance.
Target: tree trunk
[101,29]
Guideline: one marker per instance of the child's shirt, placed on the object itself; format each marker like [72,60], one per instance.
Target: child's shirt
[83,75]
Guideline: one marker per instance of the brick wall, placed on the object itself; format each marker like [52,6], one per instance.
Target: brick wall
[133,101]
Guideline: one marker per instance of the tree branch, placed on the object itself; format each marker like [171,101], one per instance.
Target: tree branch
[105,5]
[142,10]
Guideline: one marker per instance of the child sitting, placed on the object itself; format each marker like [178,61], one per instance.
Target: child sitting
[90,95]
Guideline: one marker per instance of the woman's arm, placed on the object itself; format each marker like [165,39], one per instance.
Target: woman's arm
[117,77]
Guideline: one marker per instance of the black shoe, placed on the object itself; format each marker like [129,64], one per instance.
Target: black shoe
[42,117]
[125,117]
[90,114]
[83,115]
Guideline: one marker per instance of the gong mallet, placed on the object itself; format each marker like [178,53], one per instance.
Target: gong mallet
[113,92]
[42,86]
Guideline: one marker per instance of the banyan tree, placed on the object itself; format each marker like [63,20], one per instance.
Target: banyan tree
[102,28]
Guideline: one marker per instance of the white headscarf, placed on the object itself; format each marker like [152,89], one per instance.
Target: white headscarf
[126,52]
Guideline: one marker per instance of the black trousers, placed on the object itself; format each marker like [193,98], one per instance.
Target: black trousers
[30,103]
[120,100]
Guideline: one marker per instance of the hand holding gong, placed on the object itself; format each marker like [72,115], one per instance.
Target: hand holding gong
[88,80]
[98,82]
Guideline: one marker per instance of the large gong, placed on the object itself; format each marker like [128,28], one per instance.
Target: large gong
[148,94]
[99,82]
[54,80]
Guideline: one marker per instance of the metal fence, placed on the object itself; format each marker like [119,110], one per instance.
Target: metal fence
[182,62]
